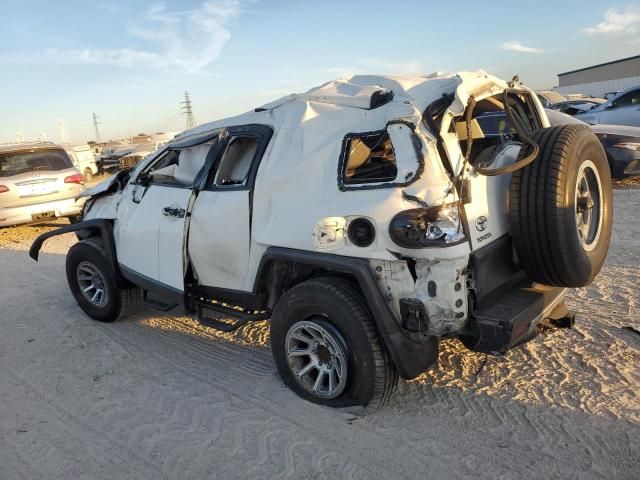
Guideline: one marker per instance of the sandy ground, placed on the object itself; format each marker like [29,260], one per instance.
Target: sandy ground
[163,397]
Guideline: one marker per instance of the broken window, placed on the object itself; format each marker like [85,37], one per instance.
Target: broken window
[491,131]
[369,158]
[236,162]
[177,167]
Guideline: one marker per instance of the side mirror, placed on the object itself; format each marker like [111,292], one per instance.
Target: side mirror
[610,106]
[144,179]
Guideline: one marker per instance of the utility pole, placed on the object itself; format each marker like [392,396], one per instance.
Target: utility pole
[188,111]
[64,136]
[95,127]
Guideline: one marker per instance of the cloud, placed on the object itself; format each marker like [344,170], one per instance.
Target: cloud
[617,22]
[518,47]
[184,40]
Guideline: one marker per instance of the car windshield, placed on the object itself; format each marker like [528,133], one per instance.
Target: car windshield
[493,124]
[15,163]
[554,97]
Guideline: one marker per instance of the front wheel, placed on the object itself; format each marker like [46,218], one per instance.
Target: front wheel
[327,348]
[93,286]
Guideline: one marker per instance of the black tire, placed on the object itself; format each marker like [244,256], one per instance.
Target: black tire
[118,303]
[337,307]
[543,208]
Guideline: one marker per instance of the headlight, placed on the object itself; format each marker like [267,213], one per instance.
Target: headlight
[628,146]
[427,227]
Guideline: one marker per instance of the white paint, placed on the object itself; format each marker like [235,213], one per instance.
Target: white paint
[83,159]
[402,140]
[297,202]
[146,238]
[330,233]
[219,243]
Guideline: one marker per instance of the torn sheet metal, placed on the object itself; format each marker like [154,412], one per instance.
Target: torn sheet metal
[439,284]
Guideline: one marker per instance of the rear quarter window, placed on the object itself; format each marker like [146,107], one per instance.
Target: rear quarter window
[369,158]
[15,163]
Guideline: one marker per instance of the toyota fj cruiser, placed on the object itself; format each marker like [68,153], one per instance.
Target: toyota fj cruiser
[366,219]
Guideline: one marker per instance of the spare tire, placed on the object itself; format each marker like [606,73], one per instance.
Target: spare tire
[560,208]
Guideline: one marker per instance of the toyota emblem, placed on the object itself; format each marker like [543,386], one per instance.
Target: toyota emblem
[481,223]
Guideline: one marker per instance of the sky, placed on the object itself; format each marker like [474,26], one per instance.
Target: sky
[131,61]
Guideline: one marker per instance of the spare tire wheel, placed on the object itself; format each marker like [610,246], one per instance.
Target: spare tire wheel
[560,208]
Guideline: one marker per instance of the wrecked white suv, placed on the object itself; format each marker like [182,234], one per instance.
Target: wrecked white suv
[367,219]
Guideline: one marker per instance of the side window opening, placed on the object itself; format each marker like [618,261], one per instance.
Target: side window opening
[631,98]
[163,170]
[491,129]
[178,167]
[236,162]
[369,158]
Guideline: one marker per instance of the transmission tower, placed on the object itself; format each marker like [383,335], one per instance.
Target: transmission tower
[95,127]
[64,136]
[188,111]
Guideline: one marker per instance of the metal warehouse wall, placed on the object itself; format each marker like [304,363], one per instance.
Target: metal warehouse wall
[612,71]
[598,89]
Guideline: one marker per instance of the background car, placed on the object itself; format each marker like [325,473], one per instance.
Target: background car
[84,160]
[138,154]
[621,143]
[109,161]
[573,107]
[550,97]
[623,109]
[37,182]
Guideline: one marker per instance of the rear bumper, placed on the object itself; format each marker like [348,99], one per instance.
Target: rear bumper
[512,319]
[24,214]
[633,168]
[624,163]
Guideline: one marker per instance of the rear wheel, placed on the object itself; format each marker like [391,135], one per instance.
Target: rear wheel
[327,348]
[561,208]
[93,286]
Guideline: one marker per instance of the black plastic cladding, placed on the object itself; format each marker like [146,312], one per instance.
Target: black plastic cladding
[411,354]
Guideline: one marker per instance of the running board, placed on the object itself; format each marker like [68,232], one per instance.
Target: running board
[157,305]
[239,316]
[513,319]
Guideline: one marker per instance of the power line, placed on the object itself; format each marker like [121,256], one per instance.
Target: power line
[95,127]
[188,111]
